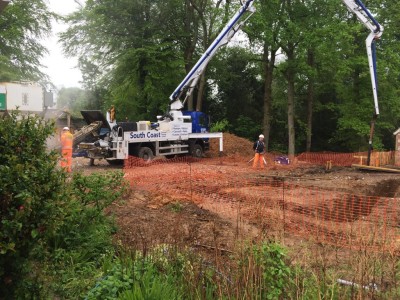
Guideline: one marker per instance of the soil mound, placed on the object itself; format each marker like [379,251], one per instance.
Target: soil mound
[233,146]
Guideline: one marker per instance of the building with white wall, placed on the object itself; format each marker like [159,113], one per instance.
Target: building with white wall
[25,96]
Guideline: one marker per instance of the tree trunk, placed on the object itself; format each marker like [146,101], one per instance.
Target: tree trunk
[200,93]
[191,25]
[290,75]
[188,66]
[291,130]
[268,74]
[310,99]
[202,81]
[208,37]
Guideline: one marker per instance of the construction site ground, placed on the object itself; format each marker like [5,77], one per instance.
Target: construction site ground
[146,218]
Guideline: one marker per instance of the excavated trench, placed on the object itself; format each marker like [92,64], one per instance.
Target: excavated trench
[387,188]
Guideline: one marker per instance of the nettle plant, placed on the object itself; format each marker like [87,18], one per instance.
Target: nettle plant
[30,187]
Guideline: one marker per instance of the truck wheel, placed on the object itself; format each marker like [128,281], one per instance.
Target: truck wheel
[197,151]
[146,153]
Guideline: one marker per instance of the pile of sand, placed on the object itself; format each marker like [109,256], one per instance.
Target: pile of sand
[232,146]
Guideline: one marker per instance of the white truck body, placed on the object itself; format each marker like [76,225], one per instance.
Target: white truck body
[171,142]
[145,139]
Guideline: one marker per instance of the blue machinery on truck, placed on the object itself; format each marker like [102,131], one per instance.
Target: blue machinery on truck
[186,132]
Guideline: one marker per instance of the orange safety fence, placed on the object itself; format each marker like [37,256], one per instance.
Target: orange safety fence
[377,159]
[232,190]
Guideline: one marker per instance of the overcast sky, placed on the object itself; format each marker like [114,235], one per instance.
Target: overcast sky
[63,72]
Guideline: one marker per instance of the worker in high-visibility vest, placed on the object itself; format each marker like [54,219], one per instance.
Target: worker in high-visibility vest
[112,113]
[66,149]
[259,150]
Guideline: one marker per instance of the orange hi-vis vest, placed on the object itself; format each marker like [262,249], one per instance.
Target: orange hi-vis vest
[67,140]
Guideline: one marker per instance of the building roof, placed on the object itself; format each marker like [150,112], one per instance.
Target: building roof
[3,4]
[396,132]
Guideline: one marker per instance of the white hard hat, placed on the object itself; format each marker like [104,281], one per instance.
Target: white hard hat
[65,128]
[261,136]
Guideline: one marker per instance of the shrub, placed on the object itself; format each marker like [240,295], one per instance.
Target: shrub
[154,276]
[82,221]
[30,189]
[220,126]
[84,235]
[52,233]
[274,270]
[263,272]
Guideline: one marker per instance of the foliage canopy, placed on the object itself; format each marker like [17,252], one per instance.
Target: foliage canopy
[22,26]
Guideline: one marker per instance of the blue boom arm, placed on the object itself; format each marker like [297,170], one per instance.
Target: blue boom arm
[365,17]
[185,88]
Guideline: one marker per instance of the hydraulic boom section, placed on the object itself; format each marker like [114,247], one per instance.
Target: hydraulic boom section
[186,87]
[365,17]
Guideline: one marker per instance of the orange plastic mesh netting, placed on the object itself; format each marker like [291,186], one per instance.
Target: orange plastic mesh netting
[228,187]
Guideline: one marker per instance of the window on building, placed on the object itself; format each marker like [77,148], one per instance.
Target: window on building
[25,101]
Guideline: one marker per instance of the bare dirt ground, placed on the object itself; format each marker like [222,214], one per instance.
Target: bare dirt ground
[148,218]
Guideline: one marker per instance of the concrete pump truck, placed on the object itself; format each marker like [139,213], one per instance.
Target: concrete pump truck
[177,132]
[180,132]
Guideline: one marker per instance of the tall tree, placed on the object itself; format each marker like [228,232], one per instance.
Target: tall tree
[191,25]
[263,33]
[289,40]
[353,87]
[127,47]
[317,30]
[213,16]
[388,56]
[132,60]
[236,92]
[22,26]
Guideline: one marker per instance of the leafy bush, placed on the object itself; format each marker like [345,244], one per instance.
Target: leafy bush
[83,214]
[30,189]
[275,272]
[84,236]
[151,286]
[263,272]
[220,126]
[153,276]
[53,233]
[108,287]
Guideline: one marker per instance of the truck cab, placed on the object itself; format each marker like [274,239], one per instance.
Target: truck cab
[200,121]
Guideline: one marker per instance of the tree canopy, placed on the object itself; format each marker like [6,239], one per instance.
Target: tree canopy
[22,26]
[301,78]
